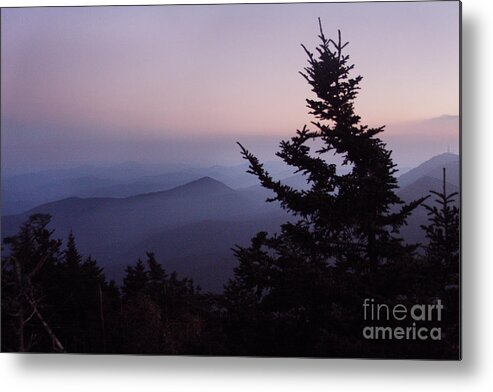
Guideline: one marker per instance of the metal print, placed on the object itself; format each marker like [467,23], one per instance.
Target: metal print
[235,180]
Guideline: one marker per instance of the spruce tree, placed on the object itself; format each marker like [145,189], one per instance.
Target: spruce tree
[346,227]
[29,272]
[157,279]
[357,213]
[136,280]
[440,267]
[71,254]
[78,297]
[442,233]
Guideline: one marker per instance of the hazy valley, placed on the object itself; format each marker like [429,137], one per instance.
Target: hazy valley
[190,218]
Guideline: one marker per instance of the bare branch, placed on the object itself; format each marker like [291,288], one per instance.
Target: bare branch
[56,342]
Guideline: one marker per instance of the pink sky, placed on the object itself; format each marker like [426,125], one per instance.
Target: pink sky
[169,72]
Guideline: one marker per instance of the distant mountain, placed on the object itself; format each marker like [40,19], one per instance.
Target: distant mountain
[194,223]
[20,198]
[418,182]
[421,188]
[23,192]
[203,250]
[452,172]
[433,168]
[201,221]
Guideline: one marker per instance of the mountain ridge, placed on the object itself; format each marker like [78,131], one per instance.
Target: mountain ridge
[431,165]
[197,222]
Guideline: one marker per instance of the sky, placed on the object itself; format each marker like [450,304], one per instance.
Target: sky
[180,84]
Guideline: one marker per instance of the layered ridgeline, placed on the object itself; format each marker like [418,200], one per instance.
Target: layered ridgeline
[192,227]
[419,182]
[23,192]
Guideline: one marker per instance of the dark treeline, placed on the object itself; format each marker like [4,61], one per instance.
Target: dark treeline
[300,292]
[53,299]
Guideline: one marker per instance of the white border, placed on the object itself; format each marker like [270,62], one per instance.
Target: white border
[474,373]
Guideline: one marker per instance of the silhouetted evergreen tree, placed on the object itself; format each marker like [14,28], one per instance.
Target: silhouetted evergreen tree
[78,297]
[54,300]
[161,313]
[157,282]
[72,257]
[27,271]
[442,233]
[136,280]
[440,268]
[304,285]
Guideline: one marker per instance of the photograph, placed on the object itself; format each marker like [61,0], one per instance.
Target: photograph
[232,180]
